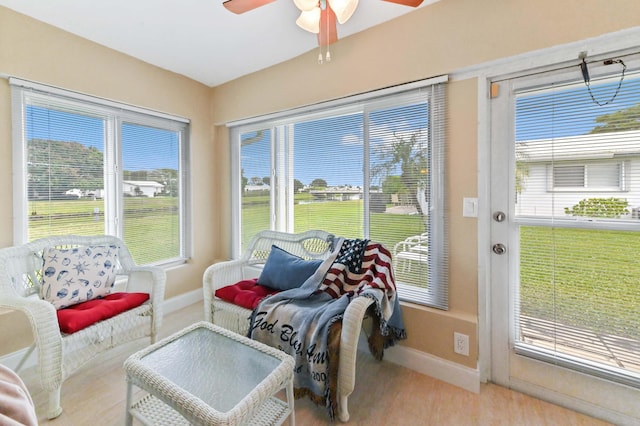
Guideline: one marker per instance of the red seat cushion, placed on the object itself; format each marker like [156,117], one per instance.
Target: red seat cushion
[82,315]
[246,293]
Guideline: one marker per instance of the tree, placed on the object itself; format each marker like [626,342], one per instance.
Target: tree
[297,185]
[255,181]
[319,183]
[137,175]
[167,177]
[618,121]
[393,185]
[266,180]
[243,180]
[57,166]
[411,157]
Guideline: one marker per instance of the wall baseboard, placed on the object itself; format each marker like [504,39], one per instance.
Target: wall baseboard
[183,300]
[424,363]
[429,365]
[438,368]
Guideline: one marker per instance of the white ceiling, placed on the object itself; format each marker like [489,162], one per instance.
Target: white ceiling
[198,38]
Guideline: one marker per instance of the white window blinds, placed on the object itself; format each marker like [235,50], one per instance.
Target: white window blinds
[369,168]
[88,166]
[578,193]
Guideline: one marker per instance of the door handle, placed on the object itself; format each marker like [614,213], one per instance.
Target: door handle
[499,248]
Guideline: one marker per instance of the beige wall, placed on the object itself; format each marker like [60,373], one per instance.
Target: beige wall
[438,39]
[34,51]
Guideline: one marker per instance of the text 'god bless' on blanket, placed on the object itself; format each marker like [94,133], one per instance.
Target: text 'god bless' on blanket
[298,321]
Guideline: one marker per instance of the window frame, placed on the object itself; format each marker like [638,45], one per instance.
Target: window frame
[436,295]
[26,93]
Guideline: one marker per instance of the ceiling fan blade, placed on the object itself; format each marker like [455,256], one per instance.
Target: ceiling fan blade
[242,6]
[328,29]
[411,3]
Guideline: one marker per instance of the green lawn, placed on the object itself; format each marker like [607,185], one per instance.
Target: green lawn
[337,218]
[576,277]
[582,278]
[596,281]
[151,225]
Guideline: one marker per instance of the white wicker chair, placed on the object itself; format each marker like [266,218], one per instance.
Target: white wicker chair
[60,354]
[309,245]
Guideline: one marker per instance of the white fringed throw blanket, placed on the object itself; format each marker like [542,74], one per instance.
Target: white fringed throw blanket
[298,320]
[16,405]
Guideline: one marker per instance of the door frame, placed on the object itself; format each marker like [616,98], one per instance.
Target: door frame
[484,74]
[494,330]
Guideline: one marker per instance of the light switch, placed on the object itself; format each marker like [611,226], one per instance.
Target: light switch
[470,207]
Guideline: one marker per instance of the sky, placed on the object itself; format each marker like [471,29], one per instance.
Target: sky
[542,114]
[538,111]
[332,148]
[143,147]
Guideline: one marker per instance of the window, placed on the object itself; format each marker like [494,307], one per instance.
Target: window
[90,166]
[358,168]
[568,176]
[606,176]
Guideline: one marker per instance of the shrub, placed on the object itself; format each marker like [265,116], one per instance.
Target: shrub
[599,207]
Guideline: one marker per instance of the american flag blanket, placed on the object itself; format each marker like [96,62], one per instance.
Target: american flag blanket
[298,320]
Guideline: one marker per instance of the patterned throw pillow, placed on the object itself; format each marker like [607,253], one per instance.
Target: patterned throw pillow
[71,276]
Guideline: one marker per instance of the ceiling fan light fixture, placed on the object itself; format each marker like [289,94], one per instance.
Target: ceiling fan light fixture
[316,16]
[310,20]
[343,9]
[306,5]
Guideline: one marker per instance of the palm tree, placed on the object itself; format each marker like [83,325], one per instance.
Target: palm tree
[409,155]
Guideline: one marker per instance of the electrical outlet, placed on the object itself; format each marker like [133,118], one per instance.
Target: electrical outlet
[461,343]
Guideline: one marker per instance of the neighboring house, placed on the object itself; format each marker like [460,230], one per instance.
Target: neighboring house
[76,192]
[251,188]
[338,193]
[573,168]
[96,193]
[145,188]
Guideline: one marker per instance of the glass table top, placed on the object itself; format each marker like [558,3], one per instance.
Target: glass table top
[215,368]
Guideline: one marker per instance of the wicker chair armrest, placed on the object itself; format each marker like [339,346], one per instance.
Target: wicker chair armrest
[32,306]
[46,333]
[152,280]
[222,274]
[217,276]
[351,326]
[147,279]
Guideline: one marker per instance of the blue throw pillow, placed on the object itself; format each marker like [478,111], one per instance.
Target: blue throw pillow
[284,271]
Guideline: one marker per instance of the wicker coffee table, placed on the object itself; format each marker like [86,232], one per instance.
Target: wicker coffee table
[207,375]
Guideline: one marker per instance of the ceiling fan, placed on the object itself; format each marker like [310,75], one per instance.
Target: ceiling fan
[316,16]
